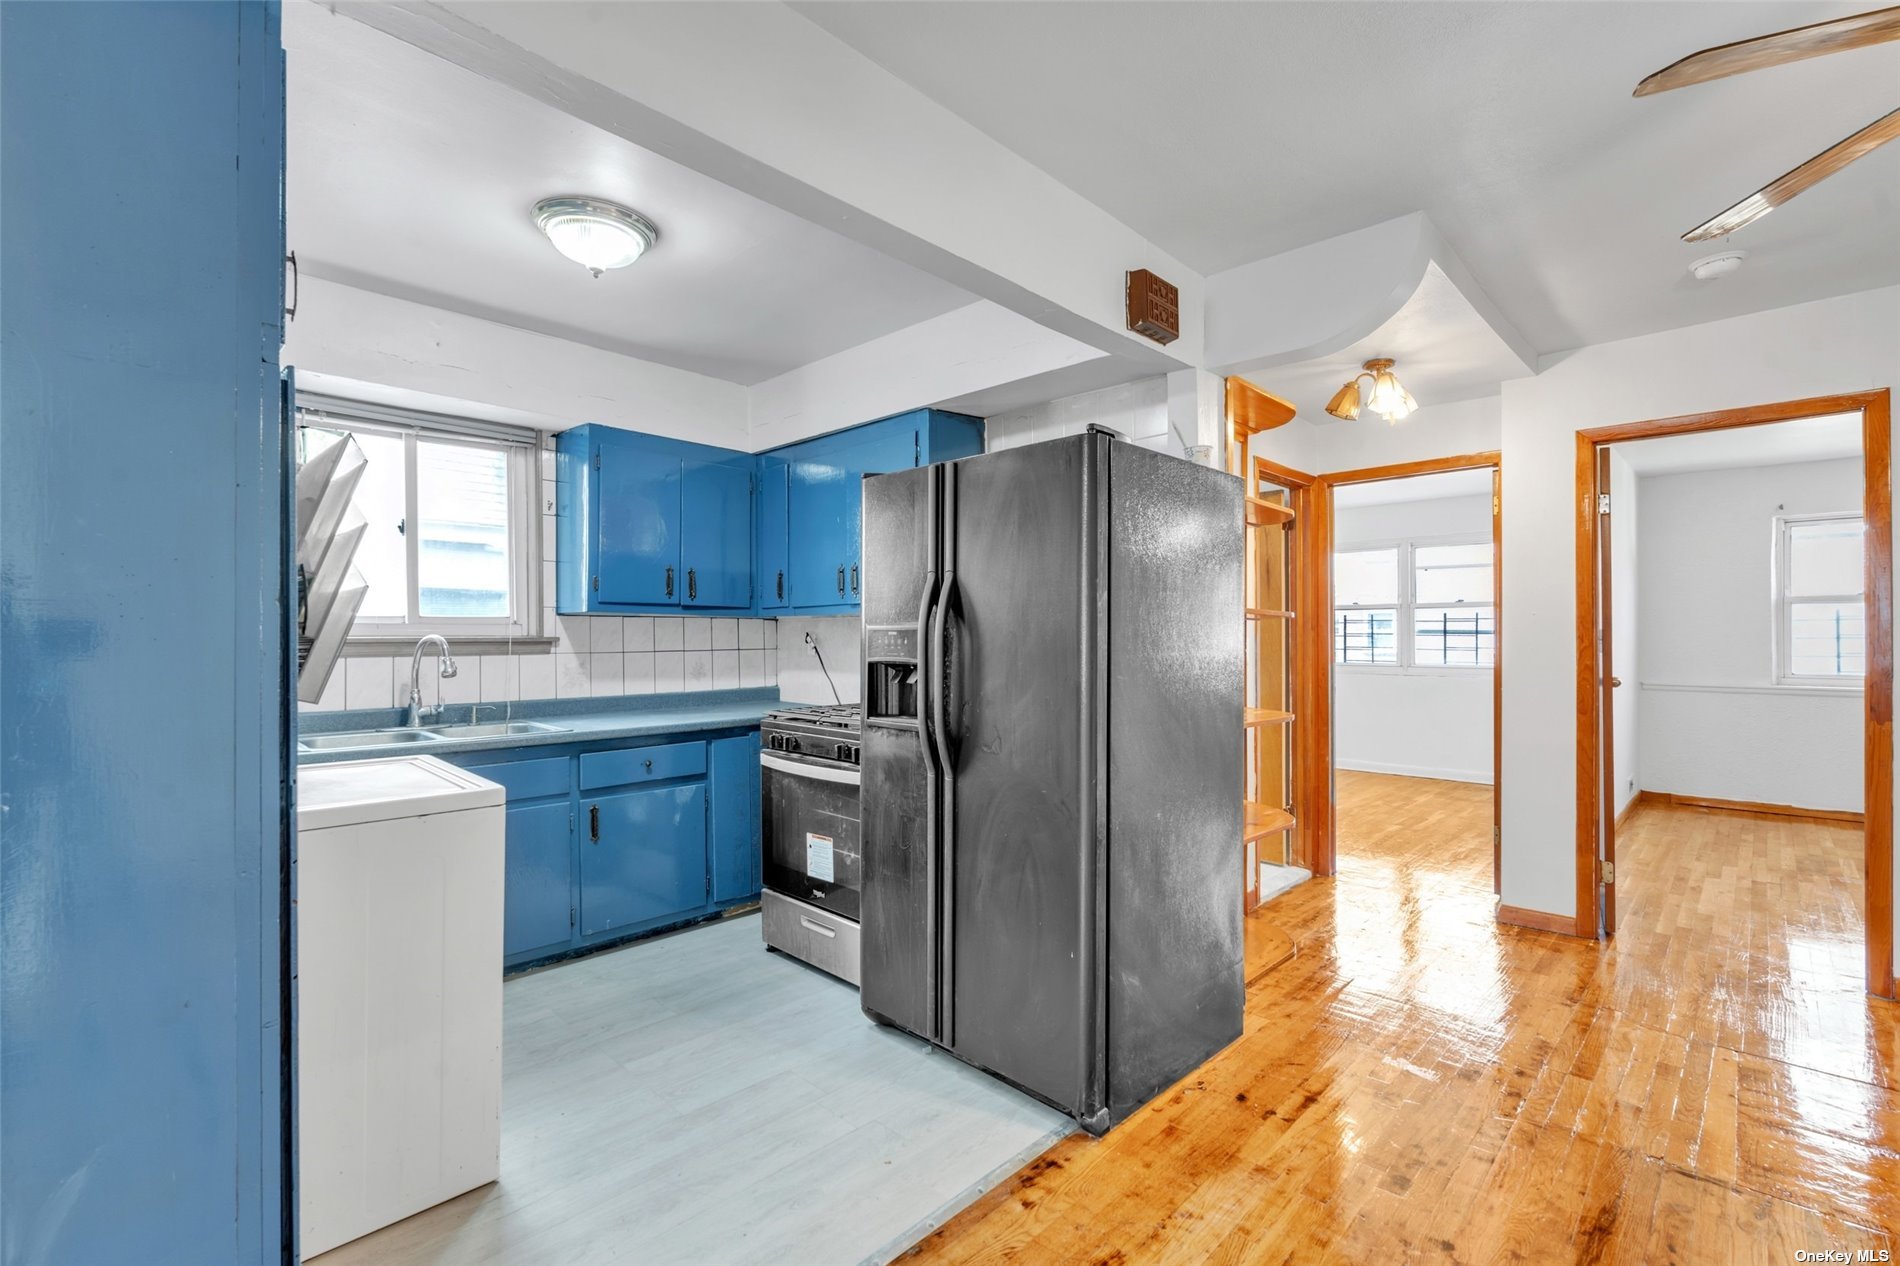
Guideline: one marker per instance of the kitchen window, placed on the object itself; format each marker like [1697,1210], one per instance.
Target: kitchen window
[1415,604]
[1820,606]
[451,537]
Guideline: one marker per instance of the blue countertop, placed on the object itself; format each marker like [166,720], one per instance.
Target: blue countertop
[583,721]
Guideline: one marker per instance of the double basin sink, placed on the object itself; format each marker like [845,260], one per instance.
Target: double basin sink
[425,734]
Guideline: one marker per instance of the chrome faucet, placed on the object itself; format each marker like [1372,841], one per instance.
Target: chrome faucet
[415,714]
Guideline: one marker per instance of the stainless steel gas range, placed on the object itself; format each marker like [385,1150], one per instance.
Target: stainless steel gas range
[810,835]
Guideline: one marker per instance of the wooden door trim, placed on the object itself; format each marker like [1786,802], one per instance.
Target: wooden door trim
[1606,696]
[1316,647]
[1875,408]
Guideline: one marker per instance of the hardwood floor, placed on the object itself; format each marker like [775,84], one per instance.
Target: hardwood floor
[1420,1083]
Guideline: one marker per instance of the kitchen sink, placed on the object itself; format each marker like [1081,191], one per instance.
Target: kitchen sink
[496,729]
[364,738]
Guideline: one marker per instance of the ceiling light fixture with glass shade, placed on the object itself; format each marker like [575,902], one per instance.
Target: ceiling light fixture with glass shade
[1388,397]
[594,234]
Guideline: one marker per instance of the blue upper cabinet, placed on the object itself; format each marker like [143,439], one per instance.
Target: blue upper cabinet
[774,543]
[823,558]
[716,546]
[649,525]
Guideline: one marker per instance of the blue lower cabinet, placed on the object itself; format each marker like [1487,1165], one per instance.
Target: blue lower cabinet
[606,843]
[643,857]
[539,914]
[735,819]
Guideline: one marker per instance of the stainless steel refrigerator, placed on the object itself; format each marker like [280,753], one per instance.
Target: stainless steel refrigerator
[1052,660]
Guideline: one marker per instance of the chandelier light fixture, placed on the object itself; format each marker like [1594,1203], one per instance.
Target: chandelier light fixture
[1387,397]
[594,234]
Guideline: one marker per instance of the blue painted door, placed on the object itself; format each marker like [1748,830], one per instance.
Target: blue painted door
[822,491]
[643,857]
[716,549]
[637,552]
[775,526]
[540,883]
[893,448]
[735,818]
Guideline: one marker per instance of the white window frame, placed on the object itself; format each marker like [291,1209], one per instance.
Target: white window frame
[1396,607]
[1784,604]
[1408,607]
[522,446]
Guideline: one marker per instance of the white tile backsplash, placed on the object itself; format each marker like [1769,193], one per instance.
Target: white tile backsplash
[571,676]
[698,666]
[725,635]
[725,670]
[501,678]
[669,671]
[637,672]
[369,683]
[538,678]
[799,677]
[604,633]
[604,678]
[669,633]
[698,633]
[636,632]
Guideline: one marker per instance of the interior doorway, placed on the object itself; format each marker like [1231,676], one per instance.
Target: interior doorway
[1412,596]
[1821,628]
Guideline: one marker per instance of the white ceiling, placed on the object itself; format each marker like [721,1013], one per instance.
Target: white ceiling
[1446,483]
[1228,132]
[1444,350]
[411,176]
[1777,444]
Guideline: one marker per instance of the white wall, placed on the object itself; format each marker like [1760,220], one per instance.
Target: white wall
[800,679]
[1849,343]
[1625,638]
[1423,722]
[1713,722]
[1138,410]
[975,348]
[1435,430]
[406,348]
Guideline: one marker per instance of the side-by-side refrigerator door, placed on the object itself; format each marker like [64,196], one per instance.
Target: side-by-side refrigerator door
[1015,644]
[901,892]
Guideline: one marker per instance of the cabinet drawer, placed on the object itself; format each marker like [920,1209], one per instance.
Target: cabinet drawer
[528,779]
[642,764]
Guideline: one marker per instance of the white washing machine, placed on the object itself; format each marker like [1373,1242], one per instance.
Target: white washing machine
[399,929]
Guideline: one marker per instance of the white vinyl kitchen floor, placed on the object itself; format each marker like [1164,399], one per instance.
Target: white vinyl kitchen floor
[696,1099]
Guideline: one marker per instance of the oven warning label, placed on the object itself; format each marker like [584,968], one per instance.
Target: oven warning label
[818,857]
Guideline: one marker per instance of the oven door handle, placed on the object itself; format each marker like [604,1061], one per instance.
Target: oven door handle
[799,769]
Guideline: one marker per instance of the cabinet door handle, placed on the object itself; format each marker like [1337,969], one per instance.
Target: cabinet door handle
[649,764]
[692,582]
[593,823]
[841,580]
[854,578]
[781,586]
[669,582]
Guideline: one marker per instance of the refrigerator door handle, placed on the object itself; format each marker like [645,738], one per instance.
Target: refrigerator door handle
[945,852]
[933,792]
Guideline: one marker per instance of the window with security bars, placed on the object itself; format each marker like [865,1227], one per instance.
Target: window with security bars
[1415,605]
[450,527]
[1820,606]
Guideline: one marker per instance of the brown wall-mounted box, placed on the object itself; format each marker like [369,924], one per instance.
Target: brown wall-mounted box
[1154,306]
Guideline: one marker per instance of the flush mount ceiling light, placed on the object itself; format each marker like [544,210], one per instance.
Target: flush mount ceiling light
[594,234]
[1387,398]
[1709,267]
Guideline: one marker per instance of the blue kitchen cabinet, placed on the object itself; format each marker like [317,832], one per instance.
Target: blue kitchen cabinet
[824,476]
[644,858]
[638,518]
[716,541]
[649,525]
[774,534]
[736,863]
[821,494]
[538,912]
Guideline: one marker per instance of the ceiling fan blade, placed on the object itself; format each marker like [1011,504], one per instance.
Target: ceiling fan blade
[1857,31]
[1807,175]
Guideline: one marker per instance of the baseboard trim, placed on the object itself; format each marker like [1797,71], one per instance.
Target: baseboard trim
[1415,771]
[1623,814]
[1537,920]
[1758,808]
